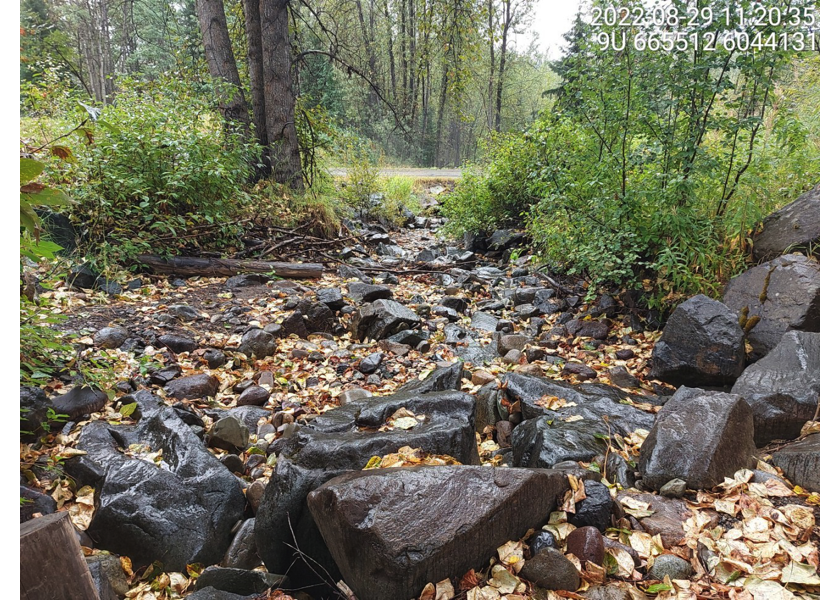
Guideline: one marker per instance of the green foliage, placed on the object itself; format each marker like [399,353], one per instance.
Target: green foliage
[161,170]
[653,165]
[397,197]
[363,181]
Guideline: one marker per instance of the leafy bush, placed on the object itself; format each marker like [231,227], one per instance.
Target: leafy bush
[397,197]
[652,165]
[161,170]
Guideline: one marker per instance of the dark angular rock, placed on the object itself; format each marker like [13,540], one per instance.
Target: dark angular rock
[255,395]
[702,344]
[672,566]
[783,388]
[503,239]
[352,395]
[184,312]
[667,518]
[620,377]
[624,354]
[215,358]
[319,317]
[211,593]
[546,441]
[83,277]
[455,303]
[193,387]
[381,319]
[331,297]
[242,553]
[371,362]
[443,311]
[538,443]
[482,321]
[34,405]
[237,581]
[595,509]
[245,280]
[81,400]
[388,545]
[700,437]
[673,489]
[110,337]
[177,343]
[348,272]
[179,514]
[36,502]
[580,369]
[294,324]
[597,330]
[784,293]
[364,292]
[619,471]
[789,229]
[257,343]
[552,571]
[164,375]
[800,462]
[233,463]
[410,337]
[507,343]
[228,433]
[541,540]
[587,544]
[108,576]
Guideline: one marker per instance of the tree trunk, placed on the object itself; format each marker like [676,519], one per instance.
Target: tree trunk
[220,59]
[279,93]
[502,57]
[253,33]
[391,61]
[491,35]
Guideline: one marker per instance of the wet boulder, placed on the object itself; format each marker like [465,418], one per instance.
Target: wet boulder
[179,508]
[700,437]
[783,293]
[381,319]
[257,343]
[702,344]
[783,388]
[389,545]
[193,387]
[362,292]
[81,400]
[791,228]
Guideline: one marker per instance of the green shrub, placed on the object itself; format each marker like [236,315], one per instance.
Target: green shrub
[161,170]
[397,197]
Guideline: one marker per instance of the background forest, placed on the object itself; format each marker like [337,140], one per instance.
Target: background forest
[170,124]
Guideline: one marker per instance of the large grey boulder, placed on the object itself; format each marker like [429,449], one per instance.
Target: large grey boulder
[179,509]
[700,437]
[702,345]
[257,342]
[783,388]
[800,462]
[344,440]
[391,531]
[793,227]
[555,431]
[381,319]
[784,293]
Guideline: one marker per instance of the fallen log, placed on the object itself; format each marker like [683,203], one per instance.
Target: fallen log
[190,266]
